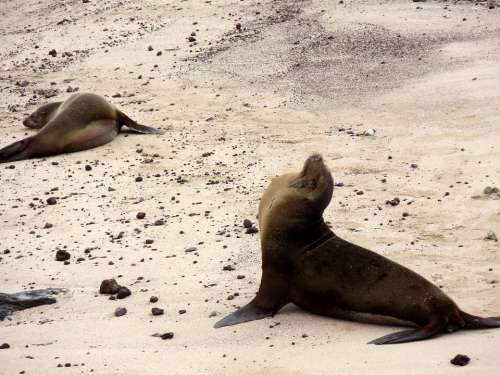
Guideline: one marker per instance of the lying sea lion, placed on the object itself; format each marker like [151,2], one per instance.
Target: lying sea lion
[83,121]
[304,262]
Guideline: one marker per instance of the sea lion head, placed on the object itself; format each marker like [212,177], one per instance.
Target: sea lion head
[296,200]
[40,117]
[314,182]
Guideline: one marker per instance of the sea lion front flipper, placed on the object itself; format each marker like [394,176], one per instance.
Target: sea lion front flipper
[272,296]
[246,314]
[19,150]
[434,327]
[123,119]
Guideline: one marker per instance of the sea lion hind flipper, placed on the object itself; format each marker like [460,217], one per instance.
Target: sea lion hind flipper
[433,328]
[143,129]
[476,322]
[16,151]
[123,119]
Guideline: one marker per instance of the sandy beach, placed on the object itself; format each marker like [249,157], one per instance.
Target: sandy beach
[245,91]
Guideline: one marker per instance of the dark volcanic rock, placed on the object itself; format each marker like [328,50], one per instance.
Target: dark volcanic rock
[62,255]
[157,311]
[51,201]
[123,292]
[460,360]
[5,346]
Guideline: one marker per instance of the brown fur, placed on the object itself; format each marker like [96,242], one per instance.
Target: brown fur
[304,262]
[81,122]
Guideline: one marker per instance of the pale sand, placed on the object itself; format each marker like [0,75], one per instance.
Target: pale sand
[270,102]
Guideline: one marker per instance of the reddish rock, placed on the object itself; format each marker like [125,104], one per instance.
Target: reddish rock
[109,286]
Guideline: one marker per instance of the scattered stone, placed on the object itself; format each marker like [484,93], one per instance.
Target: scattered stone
[153,299]
[53,53]
[488,190]
[252,230]
[157,311]
[164,336]
[120,311]
[88,168]
[491,236]
[190,249]
[123,292]
[109,286]
[62,255]
[393,202]
[5,346]
[47,226]
[51,201]
[460,360]
[228,268]
[413,165]
[140,215]
[212,314]
[247,223]
[369,132]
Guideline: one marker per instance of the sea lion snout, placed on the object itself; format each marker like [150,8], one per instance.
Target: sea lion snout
[314,175]
[314,167]
[28,121]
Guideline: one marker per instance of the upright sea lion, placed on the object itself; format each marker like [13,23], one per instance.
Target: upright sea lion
[304,262]
[83,121]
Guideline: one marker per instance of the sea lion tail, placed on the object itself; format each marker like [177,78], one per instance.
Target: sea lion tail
[16,151]
[476,322]
[123,119]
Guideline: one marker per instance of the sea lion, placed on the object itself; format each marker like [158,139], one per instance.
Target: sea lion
[83,121]
[304,262]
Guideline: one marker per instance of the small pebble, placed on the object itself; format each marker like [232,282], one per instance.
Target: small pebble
[157,311]
[51,201]
[491,236]
[167,336]
[460,360]
[4,346]
[120,311]
[123,292]
[62,255]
